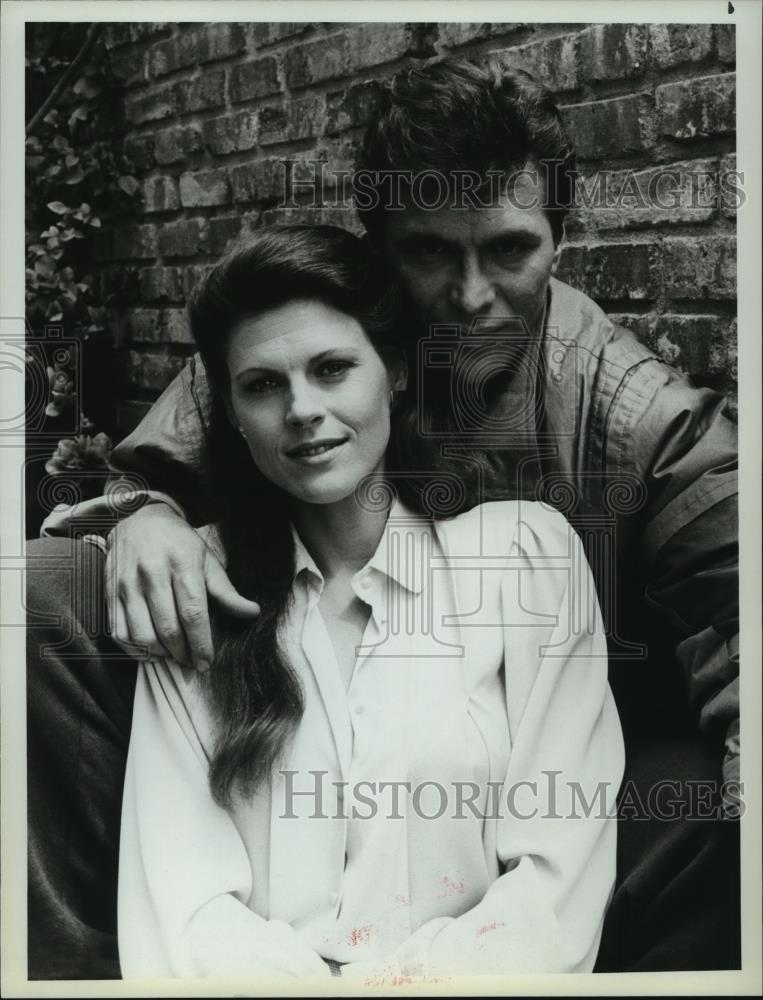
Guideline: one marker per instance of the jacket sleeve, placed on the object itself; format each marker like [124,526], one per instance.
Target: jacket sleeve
[557,830]
[184,874]
[686,451]
[161,460]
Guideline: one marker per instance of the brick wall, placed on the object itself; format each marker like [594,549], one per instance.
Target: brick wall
[213,109]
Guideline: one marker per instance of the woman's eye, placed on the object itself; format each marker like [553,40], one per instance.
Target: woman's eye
[330,369]
[260,385]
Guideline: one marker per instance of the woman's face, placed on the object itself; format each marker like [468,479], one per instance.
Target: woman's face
[312,398]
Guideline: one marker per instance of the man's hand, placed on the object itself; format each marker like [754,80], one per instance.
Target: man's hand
[159,572]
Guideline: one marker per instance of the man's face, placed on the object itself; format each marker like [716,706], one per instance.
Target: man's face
[459,264]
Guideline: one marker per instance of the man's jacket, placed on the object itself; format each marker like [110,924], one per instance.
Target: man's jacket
[641,461]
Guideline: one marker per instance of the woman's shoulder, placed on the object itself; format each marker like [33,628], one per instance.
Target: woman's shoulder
[500,525]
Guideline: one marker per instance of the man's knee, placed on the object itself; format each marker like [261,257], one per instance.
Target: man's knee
[65,587]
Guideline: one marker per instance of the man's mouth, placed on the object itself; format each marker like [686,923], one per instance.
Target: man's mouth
[315,449]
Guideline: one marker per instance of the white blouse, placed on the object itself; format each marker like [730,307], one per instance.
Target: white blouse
[452,811]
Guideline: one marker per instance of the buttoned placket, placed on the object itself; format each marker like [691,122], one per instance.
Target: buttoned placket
[351,713]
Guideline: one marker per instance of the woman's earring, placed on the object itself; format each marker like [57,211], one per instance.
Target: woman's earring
[242,432]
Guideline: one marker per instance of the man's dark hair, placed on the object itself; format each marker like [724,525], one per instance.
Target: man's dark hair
[457,116]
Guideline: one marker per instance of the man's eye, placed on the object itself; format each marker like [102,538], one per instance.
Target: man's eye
[507,248]
[428,250]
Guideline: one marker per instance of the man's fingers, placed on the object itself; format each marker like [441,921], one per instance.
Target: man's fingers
[223,591]
[167,623]
[141,639]
[193,613]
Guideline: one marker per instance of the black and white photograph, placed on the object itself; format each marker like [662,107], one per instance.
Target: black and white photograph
[374,617]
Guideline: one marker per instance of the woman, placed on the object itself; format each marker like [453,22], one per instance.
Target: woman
[407,764]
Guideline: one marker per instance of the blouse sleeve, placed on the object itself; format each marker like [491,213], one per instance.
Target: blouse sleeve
[557,830]
[184,874]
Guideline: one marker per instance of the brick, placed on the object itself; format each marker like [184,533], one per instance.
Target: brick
[351,108]
[642,324]
[129,68]
[161,284]
[153,106]
[675,44]
[273,124]
[204,188]
[300,119]
[255,79]
[697,108]
[699,268]
[193,275]
[116,35]
[130,412]
[375,44]
[553,60]
[144,325]
[192,48]
[731,187]
[201,93]
[180,239]
[160,194]
[149,371]
[173,145]
[136,242]
[176,327]
[343,216]
[139,149]
[613,51]
[258,181]
[270,32]
[701,346]
[672,194]
[725,40]
[311,62]
[223,233]
[140,30]
[610,271]
[617,127]
[456,33]
[230,133]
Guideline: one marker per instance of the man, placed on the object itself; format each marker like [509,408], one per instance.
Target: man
[561,405]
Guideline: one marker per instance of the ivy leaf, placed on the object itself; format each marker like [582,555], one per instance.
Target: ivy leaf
[51,117]
[79,114]
[87,87]
[76,175]
[95,222]
[71,160]
[128,184]
[61,143]
[58,207]
[45,266]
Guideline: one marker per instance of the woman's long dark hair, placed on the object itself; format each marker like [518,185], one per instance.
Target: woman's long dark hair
[253,691]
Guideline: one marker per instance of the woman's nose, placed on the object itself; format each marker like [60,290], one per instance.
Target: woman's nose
[472,291]
[305,405]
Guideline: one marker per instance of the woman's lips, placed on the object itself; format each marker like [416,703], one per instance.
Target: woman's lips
[314,452]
